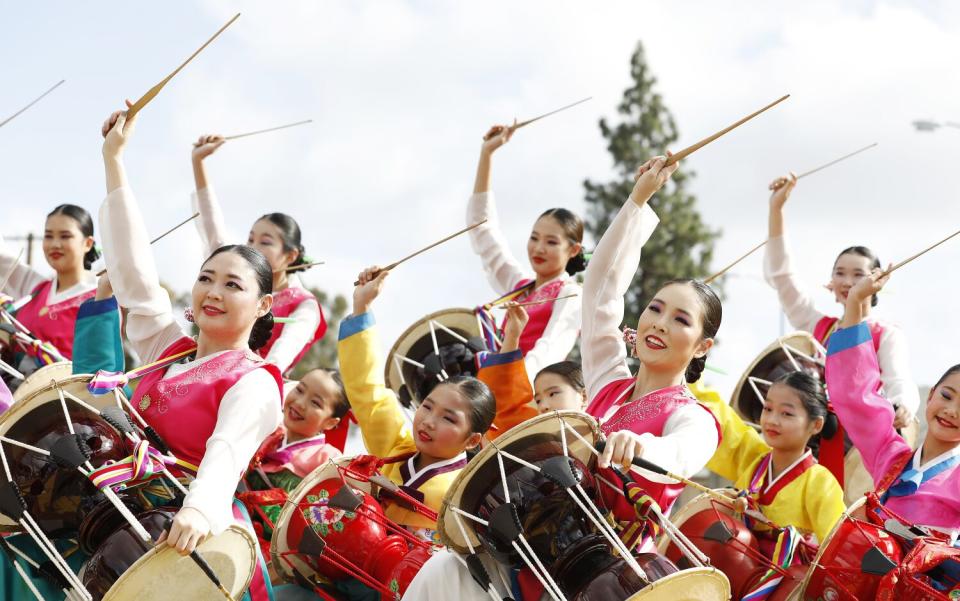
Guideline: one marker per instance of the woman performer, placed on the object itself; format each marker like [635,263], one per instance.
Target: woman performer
[852,264]
[555,252]
[277,236]
[227,398]
[48,307]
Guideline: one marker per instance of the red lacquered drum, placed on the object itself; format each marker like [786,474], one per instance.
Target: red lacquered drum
[56,497]
[407,568]
[852,560]
[125,568]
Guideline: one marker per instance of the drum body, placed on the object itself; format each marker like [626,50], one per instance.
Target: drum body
[125,568]
[56,497]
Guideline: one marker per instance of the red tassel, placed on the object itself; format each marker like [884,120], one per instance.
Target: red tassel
[338,436]
[831,454]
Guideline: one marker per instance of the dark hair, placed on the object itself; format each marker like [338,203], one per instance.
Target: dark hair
[263,326]
[570,371]
[341,404]
[289,234]
[572,227]
[85,224]
[483,406]
[712,315]
[947,374]
[862,251]
[810,390]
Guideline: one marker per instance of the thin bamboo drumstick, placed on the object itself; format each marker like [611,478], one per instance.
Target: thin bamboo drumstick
[302,266]
[269,129]
[540,302]
[163,235]
[691,149]
[919,254]
[710,279]
[835,161]
[152,92]
[553,112]
[426,248]
[38,99]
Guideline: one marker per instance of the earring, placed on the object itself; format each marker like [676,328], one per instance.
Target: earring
[188,314]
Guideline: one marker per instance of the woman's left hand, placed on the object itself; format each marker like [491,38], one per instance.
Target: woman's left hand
[189,529]
[620,449]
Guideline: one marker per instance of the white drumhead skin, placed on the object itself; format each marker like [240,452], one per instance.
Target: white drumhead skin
[695,584]
[163,574]
[41,378]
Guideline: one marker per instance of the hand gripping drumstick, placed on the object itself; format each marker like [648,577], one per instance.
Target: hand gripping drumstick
[38,99]
[425,249]
[918,255]
[711,279]
[691,149]
[202,564]
[152,92]
[264,131]
[163,235]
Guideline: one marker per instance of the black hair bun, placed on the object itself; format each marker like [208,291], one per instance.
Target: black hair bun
[261,332]
[577,263]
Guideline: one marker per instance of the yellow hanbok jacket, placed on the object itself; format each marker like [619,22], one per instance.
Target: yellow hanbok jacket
[812,502]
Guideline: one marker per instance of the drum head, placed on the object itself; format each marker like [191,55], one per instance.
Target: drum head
[416,344]
[163,574]
[278,542]
[773,362]
[41,378]
[697,504]
[38,419]
[695,584]
[484,466]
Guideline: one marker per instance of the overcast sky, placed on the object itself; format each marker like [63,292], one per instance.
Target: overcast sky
[401,92]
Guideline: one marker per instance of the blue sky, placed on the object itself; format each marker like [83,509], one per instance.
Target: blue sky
[400,93]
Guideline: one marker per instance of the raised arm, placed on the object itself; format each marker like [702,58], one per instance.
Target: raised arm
[740,444]
[607,279]
[133,274]
[296,334]
[777,271]
[23,279]
[899,387]
[210,224]
[503,270]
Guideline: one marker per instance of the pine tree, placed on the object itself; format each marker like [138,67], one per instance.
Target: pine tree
[682,245]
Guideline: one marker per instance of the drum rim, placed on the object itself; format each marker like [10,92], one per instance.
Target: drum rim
[278,543]
[701,502]
[393,381]
[244,535]
[27,389]
[847,514]
[449,533]
[808,344]
[701,573]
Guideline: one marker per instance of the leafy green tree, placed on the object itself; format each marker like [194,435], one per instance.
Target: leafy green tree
[682,245]
[324,352]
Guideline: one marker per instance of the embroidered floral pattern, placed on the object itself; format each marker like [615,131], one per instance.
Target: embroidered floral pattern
[323,518]
[658,402]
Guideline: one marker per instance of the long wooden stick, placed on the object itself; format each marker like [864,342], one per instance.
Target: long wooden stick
[13,267]
[38,99]
[163,235]
[553,112]
[152,92]
[919,254]
[540,302]
[426,248]
[710,279]
[269,129]
[835,161]
[302,266]
[691,149]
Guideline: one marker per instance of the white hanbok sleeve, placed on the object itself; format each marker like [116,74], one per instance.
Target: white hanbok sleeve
[796,304]
[210,224]
[560,334]
[894,358]
[150,326]
[688,442]
[608,276]
[23,278]
[295,335]
[249,412]
[503,270]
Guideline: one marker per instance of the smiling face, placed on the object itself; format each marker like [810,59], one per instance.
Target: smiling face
[552,392]
[785,423]
[441,425]
[226,298]
[670,330]
[943,410]
[308,408]
[849,269]
[267,237]
[64,244]
[548,248]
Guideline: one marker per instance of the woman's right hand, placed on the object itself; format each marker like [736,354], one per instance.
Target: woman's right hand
[517,319]
[497,136]
[650,177]
[371,283]
[781,188]
[117,131]
[206,145]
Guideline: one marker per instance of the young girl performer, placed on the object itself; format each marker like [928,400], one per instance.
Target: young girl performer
[51,309]
[923,486]
[851,265]
[555,251]
[451,418]
[214,410]
[651,414]
[277,236]
[777,470]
